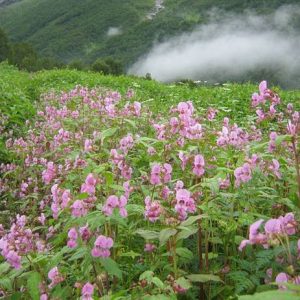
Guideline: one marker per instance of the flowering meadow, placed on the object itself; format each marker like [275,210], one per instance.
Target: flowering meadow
[105,197]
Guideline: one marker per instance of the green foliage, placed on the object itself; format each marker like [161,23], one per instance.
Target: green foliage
[107,66]
[44,23]
[4,46]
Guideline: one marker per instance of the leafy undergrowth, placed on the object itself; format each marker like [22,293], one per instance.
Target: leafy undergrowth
[132,194]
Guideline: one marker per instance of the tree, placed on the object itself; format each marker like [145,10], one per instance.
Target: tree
[4,46]
[107,66]
[23,56]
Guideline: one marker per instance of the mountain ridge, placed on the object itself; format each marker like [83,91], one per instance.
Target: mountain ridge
[70,30]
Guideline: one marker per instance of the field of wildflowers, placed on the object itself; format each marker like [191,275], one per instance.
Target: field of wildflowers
[107,196]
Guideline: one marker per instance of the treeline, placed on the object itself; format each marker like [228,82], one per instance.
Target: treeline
[23,56]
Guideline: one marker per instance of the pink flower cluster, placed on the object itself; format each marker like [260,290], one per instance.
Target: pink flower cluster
[55,277]
[87,291]
[102,246]
[60,200]
[243,174]
[160,173]
[73,236]
[265,95]
[18,242]
[49,174]
[232,135]
[273,229]
[119,161]
[113,202]
[184,203]
[153,209]
[183,124]
[198,163]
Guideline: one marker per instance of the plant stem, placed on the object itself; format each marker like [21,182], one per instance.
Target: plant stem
[297,163]
[201,293]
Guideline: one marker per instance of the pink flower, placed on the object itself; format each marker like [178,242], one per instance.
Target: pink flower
[152,209]
[72,235]
[198,165]
[85,232]
[282,278]
[78,209]
[87,291]
[55,277]
[89,185]
[114,202]
[274,168]
[255,237]
[13,259]
[160,174]
[185,204]
[149,247]
[242,174]
[184,159]
[126,143]
[42,219]
[155,174]
[102,246]
[49,174]
[88,145]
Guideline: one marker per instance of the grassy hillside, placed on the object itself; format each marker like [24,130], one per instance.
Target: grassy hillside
[20,90]
[71,29]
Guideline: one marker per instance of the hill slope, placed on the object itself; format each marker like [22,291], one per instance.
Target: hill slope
[71,29]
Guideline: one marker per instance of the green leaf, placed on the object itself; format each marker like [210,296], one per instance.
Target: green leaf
[281,138]
[109,178]
[33,282]
[82,196]
[108,133]
[5,283]
[111,267]
[203,278]
[4,267]
[80,252]
[184,252]
[165,234]
[148,234]
[158,282]
[186,232]
[192,219]
[271,295]
[131,254]
[183,282]
[147,275]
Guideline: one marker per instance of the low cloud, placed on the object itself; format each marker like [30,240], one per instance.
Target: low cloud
[229,48]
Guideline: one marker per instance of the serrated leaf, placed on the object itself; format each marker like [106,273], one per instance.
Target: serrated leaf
[184,252]
[165,234]
[271,295]
[203,278]
[80,252]
[192,219]
[147,275]
[111,267]
[33,283]
[148,234]
[4,267]
[158,282]
[108,133]
[186,232]
[183,282]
